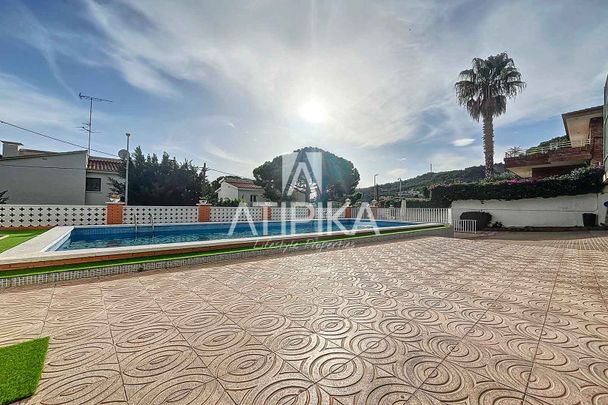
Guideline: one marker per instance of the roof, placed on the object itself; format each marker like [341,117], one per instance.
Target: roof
[104,164]
[243,184]
[581,113]
[42,154]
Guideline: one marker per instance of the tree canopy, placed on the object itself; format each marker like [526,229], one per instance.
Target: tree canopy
[160,182]
[339,178]
[484,90]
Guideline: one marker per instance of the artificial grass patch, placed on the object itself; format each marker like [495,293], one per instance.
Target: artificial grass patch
[20,369]
[17,237]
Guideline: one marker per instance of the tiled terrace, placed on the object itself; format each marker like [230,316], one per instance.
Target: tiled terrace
[422,321]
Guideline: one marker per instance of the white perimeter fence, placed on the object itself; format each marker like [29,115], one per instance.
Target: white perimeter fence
[15,216]
[465,225]
[434,215]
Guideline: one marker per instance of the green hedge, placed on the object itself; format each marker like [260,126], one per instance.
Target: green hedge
[580,181]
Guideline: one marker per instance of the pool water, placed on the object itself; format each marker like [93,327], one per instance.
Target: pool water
[112,236]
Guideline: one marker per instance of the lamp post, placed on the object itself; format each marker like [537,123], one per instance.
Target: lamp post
[128,135]
[375,187]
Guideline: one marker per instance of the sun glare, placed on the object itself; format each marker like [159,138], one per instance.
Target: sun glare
[313,111]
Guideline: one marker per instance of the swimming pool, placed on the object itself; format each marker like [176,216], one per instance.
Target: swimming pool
[96,237]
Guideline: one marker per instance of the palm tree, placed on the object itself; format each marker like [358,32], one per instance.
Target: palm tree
[484,91]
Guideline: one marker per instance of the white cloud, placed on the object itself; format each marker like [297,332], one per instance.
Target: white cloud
[463,142]
[383,70]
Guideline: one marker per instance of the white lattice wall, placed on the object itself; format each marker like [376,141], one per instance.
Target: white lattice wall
[227,214]
[13,216]
[327,212]
[279,213]
[160,214]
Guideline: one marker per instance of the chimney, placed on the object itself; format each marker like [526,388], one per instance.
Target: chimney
[10,149]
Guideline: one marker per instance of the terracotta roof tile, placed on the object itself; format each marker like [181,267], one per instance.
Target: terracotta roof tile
[243,184]
[104,165]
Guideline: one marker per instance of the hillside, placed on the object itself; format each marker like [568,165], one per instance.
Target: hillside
[418,183]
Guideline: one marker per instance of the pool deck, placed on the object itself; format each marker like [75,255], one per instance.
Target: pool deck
[422,321]
[38,252]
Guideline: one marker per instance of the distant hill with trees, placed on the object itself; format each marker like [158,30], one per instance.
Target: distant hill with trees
[425,181]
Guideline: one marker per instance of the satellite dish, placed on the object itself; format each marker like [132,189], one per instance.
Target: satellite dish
[123,154]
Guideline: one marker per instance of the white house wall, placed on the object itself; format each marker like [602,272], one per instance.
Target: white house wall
[227,192]
[563,211]
[56,179]
[103,196]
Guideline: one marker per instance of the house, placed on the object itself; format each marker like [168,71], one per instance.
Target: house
[585,144]
[237,188]
[67,178]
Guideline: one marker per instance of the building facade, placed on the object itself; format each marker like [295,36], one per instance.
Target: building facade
[244,190]
[68,178]
[583,146]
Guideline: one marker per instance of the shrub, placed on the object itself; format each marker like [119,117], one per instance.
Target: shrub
[483,218]
[580,181]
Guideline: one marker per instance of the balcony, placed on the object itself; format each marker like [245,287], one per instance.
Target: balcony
[518,152]
[555,158]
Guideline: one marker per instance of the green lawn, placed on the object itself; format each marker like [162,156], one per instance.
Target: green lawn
[17,237]
[20,369]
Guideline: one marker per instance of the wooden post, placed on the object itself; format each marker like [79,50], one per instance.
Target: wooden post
[115,213]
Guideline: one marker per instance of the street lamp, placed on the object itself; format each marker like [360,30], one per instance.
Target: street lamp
[375,187]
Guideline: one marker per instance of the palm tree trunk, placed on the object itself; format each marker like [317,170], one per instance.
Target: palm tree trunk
[488,144]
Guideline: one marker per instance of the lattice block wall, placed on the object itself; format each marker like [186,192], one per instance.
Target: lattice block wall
[279,213]
[13,216]
[327,212]
[227,214]
[160,214]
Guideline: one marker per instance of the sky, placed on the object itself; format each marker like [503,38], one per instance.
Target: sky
[236,83]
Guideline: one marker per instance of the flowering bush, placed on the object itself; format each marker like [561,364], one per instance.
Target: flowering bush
[580,181]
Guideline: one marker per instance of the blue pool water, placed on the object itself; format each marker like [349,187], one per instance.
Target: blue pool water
[105,236]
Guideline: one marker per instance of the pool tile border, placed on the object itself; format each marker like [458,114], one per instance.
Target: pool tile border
[112,270]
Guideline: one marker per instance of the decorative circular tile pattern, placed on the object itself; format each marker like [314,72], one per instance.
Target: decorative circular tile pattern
[422,321]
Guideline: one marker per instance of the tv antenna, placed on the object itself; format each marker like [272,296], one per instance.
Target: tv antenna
[88,127]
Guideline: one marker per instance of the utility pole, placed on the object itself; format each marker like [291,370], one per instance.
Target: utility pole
[204,174]
[89,126]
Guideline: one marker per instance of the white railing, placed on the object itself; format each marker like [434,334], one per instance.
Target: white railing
[465,225]
[15,216]
[517,152]
[434,215]
[141,214]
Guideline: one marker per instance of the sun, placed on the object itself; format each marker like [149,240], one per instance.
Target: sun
[313,111]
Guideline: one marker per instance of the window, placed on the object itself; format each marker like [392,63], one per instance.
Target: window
[253,198]
[93,184]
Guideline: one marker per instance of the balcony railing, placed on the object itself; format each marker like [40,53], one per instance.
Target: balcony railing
[517,152]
